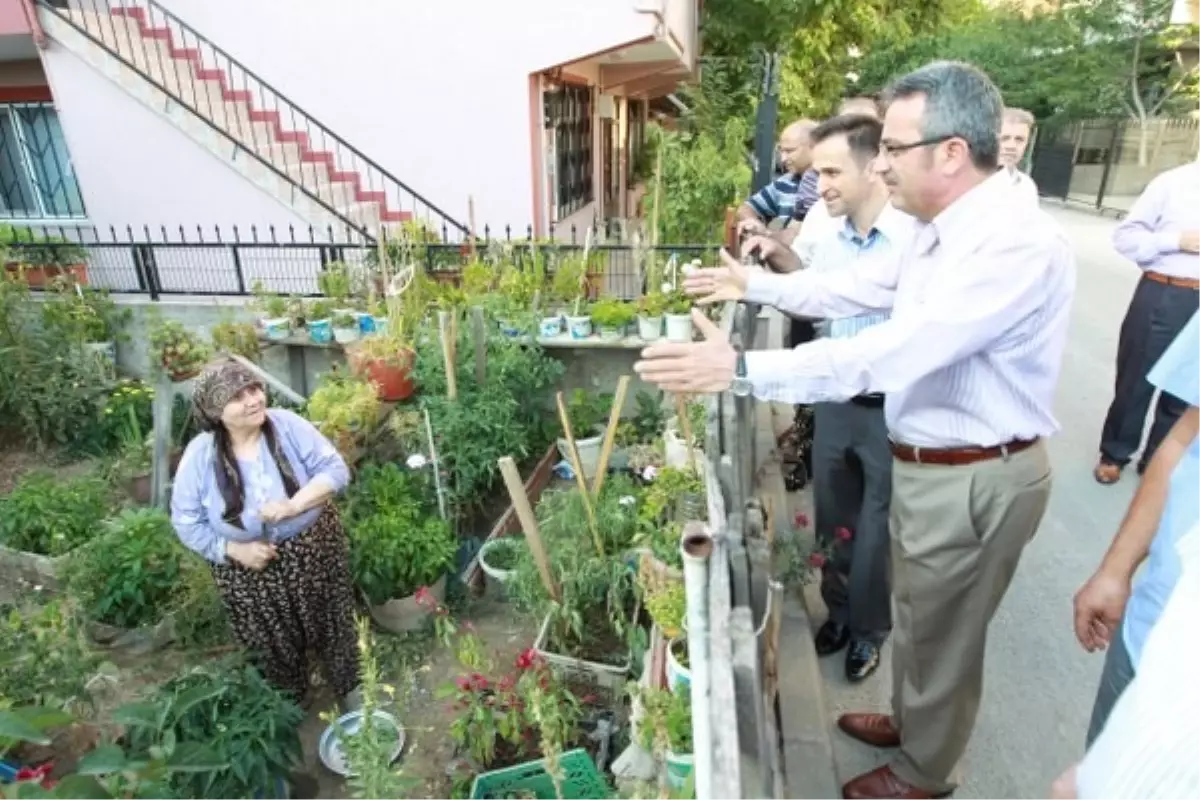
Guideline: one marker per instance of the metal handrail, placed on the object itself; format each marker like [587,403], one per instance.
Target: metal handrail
[343,163]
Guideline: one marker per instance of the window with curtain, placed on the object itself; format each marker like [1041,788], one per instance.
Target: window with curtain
[568,115]
[36,177]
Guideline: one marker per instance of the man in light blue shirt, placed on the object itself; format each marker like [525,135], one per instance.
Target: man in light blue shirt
[1165,507]
[852,459]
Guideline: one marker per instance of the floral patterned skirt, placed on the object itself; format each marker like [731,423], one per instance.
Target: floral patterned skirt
[302,601]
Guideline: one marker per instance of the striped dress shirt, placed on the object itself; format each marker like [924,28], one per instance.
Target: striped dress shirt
[980,305]
[788,197]
[848,249]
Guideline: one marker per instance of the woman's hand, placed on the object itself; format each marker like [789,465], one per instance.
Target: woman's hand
[277,511]
[251,555]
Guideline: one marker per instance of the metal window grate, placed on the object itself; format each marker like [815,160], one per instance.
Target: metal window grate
[568,112]
[37,180]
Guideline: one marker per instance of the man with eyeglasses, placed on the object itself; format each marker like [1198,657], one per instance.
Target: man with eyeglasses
[968,361]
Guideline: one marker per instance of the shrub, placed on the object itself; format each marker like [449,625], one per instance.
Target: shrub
[52,517]
[44,660]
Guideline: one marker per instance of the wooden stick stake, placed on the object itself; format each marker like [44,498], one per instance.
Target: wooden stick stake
[160,474]
[471,225]
[578,468]
[435,466]
[448,355]
[533,535]
[610,434]
[685,425]
[479,334]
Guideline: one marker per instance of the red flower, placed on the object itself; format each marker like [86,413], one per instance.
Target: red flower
[478,682]
[463,683]
[506,684]
[817,559]
[801,519]
[527,658]
[843,534]
[424,597]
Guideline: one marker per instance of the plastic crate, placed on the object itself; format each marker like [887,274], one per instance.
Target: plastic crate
[581,780]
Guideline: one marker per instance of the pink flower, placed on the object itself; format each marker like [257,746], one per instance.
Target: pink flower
[506,684]
[843,534]
[469,627]
[527,658]
[463,684]
[424,597]
[801,519]
[817,559]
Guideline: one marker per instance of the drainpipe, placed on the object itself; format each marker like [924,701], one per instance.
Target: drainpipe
[696,546]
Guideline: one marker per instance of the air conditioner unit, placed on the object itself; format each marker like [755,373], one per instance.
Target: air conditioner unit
[606,106]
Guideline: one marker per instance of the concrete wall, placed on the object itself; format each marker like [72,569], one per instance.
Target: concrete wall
[13,20]
[436,93]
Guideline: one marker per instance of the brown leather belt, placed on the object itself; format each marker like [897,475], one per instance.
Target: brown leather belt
[1171,280]
[957,456]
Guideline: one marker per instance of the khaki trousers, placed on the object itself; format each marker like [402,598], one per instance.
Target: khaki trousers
[956,536]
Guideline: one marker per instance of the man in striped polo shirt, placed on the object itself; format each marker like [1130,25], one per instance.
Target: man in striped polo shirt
[790,195]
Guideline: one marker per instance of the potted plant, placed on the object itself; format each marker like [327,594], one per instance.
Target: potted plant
[588,413]
[498,558]
[86,316]
[177,350]
[41,258]
[345,327]
[651,308]
[666,730]
[318,317]
[612,317]
[344,408]
[579,320]
[677,451]
[679,318]
[238,338]
[275,313]
[334,283]
[125,579]
[400,549]
[666,603]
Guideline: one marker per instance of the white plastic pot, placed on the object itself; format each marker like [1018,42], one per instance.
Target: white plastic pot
[550,327]
[589,452]
[278,328]
[678,676]
[676,451]
[679,327]
[489,547]
[650,328]
[679,767]
[345,335]
[579,327]
[611,334]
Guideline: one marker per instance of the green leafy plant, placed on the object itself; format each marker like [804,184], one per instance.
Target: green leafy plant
[613,313]
[398,543]
[272,306]
[26,248]
[649,417]
[667,726]
[51,517]
[44,658]
[176,349]
[239,338]
[588,411]
[702,173]
[228,708]
[665,601]
[318,310]
[334,281]
[653,304]
[200,616]
[343,407]
[128,576]
[81,314]
[679,303]
[344,320]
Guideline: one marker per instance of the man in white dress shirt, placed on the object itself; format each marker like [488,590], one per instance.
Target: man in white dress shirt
[1015,133]
[969,362]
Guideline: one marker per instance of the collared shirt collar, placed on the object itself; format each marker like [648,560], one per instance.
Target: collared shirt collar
[962,217]
[890,224]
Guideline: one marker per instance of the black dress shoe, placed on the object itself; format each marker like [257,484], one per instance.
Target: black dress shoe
[861,660]
[831,637]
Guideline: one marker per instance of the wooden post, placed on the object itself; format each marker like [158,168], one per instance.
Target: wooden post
[448,355]
[685,427]
[479,334]
[471,226]
[657,198]
[533,536]
[437,470]
[579,479]
[610,434]
[160,475]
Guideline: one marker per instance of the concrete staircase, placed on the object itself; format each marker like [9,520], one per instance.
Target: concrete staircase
[235,115]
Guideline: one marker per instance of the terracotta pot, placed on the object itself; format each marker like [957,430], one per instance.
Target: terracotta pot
[138,486]
[392,376]
[38,277]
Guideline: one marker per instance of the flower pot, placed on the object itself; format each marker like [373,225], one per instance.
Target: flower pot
[392,376]
[676,451]
[679,769]
[610,334]
[550,327]
[278,328]
[650,328]
[604,676]
[679,327]
[366,324]
[404,614]
[345,335]
[138,486]
[678,676]
[39,277]
[178,373]
[329,747]
[589,452]
[320,331]
[490,547]
[579,327]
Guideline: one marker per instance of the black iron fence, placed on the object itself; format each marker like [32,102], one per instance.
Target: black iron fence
[183,260]
[1107,163]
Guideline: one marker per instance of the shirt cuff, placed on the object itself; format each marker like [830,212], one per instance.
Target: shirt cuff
[764,288]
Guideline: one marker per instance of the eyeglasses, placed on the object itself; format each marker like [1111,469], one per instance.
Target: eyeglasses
[891,150]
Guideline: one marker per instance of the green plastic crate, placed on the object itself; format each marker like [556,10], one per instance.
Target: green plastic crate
[581,780]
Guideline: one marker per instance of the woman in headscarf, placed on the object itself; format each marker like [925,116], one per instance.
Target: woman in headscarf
[252,495]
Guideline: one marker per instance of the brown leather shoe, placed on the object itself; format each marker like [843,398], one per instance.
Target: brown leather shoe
[876,730]
[1107,473]
[882,782]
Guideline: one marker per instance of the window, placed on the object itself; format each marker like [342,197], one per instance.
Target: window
[36,177]
[568,112]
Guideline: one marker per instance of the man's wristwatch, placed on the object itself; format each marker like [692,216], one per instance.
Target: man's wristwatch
[741,386]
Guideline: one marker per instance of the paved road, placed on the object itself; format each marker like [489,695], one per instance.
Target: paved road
[1039,684]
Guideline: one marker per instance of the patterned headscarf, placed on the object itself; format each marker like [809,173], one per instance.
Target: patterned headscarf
[215,388]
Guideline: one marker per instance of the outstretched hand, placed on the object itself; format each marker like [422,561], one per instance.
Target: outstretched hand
[718,284]
[693,367]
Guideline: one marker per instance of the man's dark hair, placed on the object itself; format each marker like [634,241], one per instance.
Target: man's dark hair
[862,134]
[960,101]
